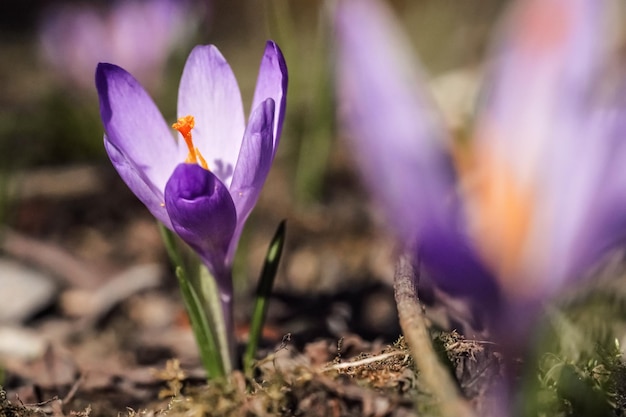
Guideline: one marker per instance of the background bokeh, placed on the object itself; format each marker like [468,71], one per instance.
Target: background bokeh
[67,217]
[60,190]
[49,119]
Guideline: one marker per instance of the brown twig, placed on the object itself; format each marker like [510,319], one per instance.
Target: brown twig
[416,334]
[72,392]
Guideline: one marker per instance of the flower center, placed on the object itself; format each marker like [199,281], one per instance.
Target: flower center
[184,126]
[502,212]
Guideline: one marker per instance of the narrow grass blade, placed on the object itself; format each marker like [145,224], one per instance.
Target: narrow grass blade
[264,289]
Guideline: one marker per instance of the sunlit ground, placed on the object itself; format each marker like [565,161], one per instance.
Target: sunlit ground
[105,310]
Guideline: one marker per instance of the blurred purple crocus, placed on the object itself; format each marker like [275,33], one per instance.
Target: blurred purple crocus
[137,34]
[538,196]
[203,187]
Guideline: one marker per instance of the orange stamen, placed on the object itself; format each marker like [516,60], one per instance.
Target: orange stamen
[184,126]
[501,213]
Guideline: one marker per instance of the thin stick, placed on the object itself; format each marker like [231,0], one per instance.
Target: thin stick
[435,376]
[361,362]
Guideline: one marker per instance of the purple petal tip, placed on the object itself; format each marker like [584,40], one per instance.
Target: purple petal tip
[201,210]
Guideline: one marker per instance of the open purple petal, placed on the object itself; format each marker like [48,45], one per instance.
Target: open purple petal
[272,83]
[202,214]
[141,186]
[583,189]
[400,144]
[538,120]
[253,165]
[135,127]
[142,34]
[452,262]
[71,33]
[209,92]
[592,217]
[544,70]
[396,133]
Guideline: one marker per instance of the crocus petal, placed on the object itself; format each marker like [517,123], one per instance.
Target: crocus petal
[135,129]
[137,35]
[535,134]
[135,179]
[77,35]
[272,83]
[398,139]
[600,195]
[545,63]
[253,165]
[209,92]
[451,261]
[142,34]
[400,145]
[582,187]
[202,214]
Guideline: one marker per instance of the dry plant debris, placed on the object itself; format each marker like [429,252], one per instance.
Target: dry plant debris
[370,384]
[379,383]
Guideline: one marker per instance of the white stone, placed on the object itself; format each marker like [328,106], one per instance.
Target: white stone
[23,291]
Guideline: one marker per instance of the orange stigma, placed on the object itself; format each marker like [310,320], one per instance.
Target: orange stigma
[184,126]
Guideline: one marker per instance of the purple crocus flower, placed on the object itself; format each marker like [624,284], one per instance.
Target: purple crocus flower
[137,34]
[537,197]
[205,186]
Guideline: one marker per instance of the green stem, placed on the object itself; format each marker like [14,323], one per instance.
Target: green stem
[210,355]
[201,318]
[264,289]
[169,239]
[218,309]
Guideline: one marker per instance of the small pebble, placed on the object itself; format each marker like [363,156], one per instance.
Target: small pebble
[24,293]
[21,343]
